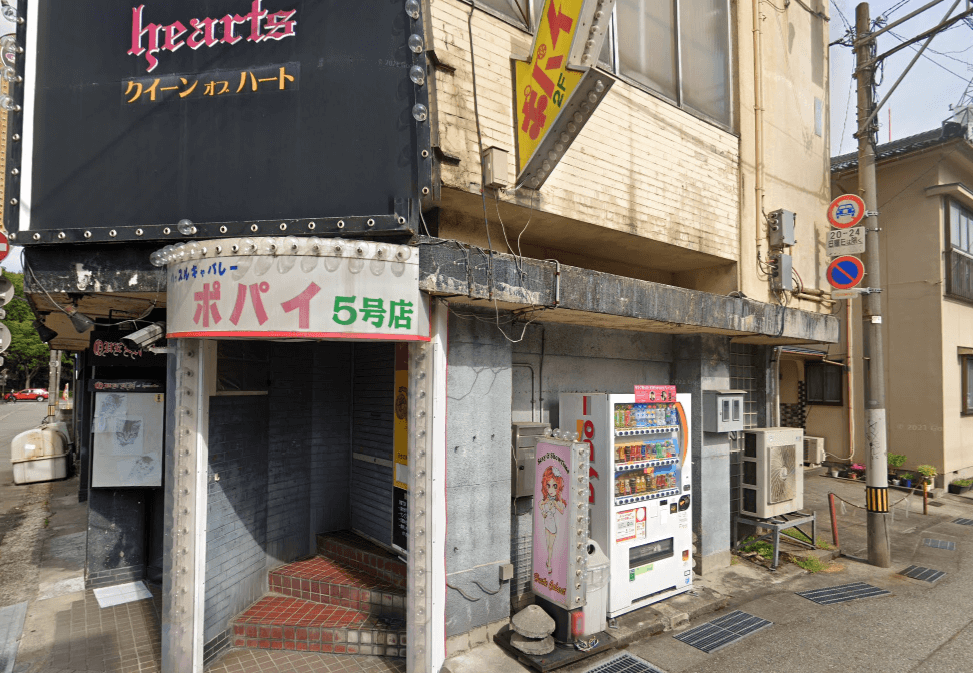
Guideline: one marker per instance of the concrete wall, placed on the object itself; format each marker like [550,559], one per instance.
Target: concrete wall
[477,473]
[702,363]
[647,190]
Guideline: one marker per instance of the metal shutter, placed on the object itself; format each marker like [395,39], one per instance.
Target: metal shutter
[373,400]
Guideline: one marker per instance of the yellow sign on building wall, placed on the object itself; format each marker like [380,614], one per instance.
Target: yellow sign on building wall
[553,96]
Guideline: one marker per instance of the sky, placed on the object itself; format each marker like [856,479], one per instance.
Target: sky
[921,102]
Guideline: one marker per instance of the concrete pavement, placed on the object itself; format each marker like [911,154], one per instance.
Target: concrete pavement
[919,627]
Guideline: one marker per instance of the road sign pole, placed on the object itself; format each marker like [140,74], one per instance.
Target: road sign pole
[876,432]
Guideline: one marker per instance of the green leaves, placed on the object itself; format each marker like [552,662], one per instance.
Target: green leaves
[27,354]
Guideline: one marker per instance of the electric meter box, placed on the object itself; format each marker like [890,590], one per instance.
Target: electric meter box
[524,437]
[723,410]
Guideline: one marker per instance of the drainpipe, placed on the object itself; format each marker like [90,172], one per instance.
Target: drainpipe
[775,412]
[758,131]
[851,380]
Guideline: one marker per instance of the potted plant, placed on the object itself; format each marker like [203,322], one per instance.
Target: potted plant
[905,479]
[896,461]
[928,473]
[960,485]
[856,471]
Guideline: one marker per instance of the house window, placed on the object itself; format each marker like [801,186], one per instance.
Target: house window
[960,228]
[959,252]
[967,361]
[824,383]
[517,10]
[678,48]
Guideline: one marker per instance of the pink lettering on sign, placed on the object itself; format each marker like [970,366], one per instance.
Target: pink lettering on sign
[149,39]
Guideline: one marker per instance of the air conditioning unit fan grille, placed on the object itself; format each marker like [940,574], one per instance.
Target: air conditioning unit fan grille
[783,478]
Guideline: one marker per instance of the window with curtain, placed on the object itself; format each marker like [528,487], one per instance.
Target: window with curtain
[960,228]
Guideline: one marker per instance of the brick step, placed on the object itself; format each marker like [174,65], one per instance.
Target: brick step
[355,551]
[330,582]
[286,623]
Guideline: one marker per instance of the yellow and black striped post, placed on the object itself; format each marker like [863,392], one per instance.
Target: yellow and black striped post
[877,499]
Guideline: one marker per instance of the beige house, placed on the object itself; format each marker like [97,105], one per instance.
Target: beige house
[926,206]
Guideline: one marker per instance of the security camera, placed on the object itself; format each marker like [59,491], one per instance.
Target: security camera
[146,336]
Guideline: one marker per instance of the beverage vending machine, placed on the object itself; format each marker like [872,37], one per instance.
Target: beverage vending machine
[640,481]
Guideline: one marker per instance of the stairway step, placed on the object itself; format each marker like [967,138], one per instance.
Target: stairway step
[355,551]
[327,581]
[286,623]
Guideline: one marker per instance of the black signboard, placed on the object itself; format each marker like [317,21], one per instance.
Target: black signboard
[108,350]
[245,117]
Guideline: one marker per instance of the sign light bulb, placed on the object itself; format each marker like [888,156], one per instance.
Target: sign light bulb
[186,227]
[415,43]
[412,8]
[417,74]
[10,74]
[420,113]
[9,13]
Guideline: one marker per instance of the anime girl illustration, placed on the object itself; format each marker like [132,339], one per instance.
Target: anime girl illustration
[554,503]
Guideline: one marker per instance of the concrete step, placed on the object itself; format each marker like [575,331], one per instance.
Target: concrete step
[353,550]
[287,623]
[330,582]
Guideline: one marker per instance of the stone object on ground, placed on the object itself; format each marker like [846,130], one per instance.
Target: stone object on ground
[532,646]
[532,622]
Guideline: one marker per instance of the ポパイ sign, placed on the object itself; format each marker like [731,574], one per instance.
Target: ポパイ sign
[353,290]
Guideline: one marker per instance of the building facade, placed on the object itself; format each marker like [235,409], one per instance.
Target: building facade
[925,204]
[651,254]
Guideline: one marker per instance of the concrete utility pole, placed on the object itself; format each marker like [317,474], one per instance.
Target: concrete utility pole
[876,462]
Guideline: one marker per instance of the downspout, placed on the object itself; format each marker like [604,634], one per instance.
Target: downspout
[775,412]
[851,380]
[758,131]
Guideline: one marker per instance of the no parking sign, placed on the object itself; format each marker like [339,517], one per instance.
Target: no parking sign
[845,272]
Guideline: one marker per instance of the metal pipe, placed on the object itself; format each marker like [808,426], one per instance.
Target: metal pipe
[905,18]
[531,368]
[834,521]
[775,421]
[850,380]
[810,297]
[758,131]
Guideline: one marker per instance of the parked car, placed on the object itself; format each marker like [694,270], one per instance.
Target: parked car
[27,394]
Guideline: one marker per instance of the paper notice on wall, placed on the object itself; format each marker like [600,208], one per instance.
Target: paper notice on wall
[128,438]
[109,407]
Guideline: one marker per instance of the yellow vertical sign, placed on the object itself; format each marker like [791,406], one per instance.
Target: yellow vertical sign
[400,423]
[544,83]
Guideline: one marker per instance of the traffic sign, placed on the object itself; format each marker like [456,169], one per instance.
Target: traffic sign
[5,337]
[846,211]
[4,246]
[845,272]
[850,241]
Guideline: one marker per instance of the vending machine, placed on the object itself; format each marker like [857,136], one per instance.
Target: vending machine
[640,481]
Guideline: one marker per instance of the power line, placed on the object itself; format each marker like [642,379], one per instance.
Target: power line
[932,60]
[844,19]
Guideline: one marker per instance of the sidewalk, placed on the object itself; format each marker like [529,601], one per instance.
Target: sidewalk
[914,623]
[66,631]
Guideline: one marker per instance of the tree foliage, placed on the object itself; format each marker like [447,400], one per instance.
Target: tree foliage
[27,355]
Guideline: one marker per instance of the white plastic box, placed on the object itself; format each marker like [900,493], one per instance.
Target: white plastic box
[39,454]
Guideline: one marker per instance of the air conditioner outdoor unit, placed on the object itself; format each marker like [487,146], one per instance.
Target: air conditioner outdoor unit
[772,479]
[814,450]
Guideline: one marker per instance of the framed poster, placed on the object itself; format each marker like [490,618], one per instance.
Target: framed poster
[129,438]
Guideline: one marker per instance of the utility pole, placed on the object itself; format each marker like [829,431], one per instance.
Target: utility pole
[876,462]
[876,429]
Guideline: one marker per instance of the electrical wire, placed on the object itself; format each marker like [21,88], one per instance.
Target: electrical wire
[479,138]
[155,301]
[844,19]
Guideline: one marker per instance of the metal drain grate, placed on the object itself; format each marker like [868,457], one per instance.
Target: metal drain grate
[724,631]
[933,503]
[843,593]
[625,663]
[964,522]
[924,574]
[939,544]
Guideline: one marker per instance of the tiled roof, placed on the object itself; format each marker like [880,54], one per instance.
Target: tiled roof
[920,141]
